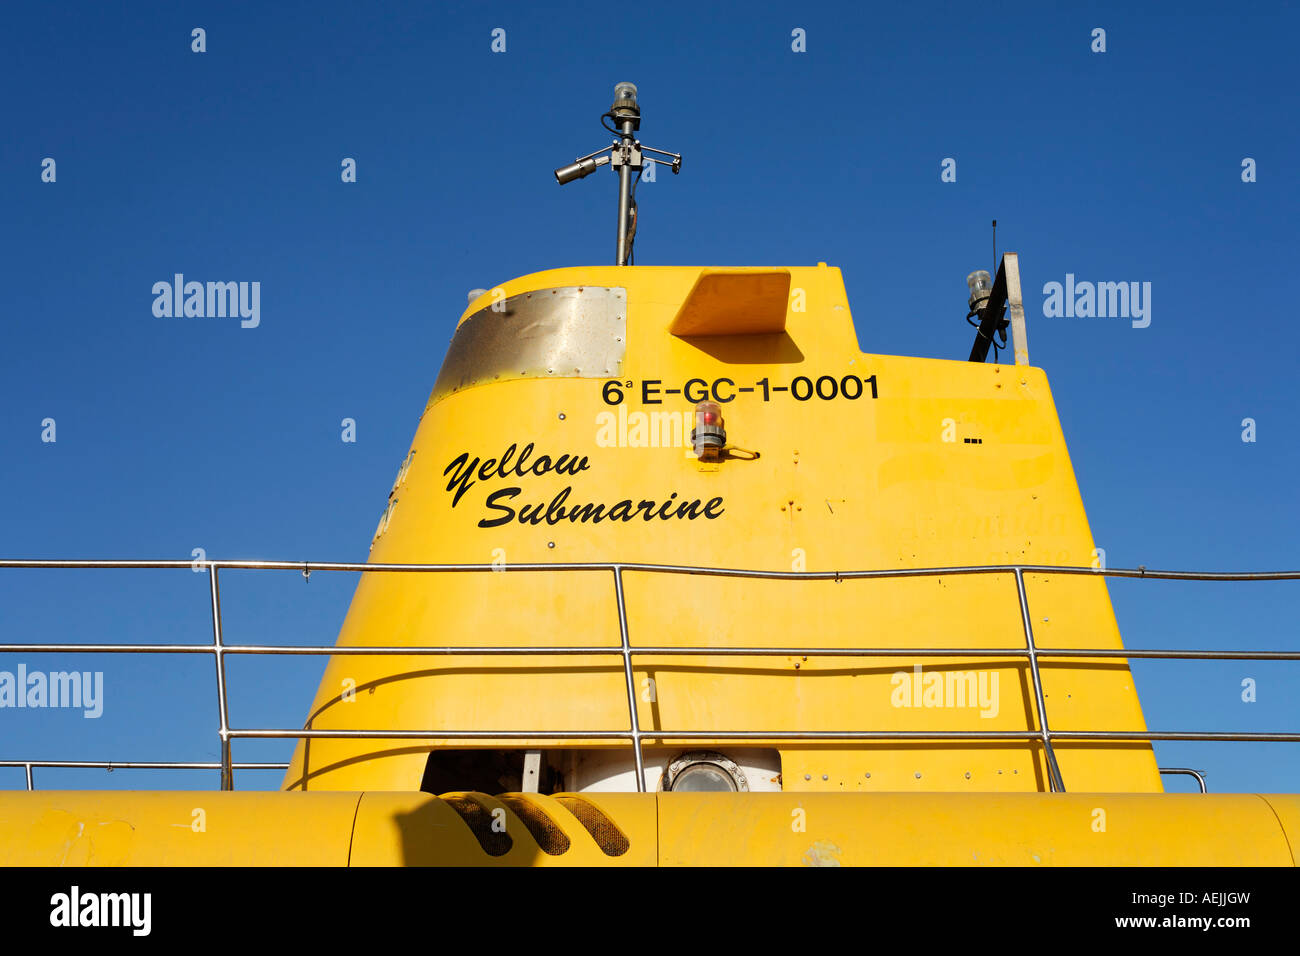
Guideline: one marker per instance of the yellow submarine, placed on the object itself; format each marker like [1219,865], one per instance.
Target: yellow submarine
[675,574]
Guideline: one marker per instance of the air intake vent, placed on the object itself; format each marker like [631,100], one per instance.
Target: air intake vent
[607,836]
[549,837]
[479,820]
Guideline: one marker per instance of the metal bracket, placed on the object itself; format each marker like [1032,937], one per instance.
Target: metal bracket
[625,156]
[532,772]
[1006,291]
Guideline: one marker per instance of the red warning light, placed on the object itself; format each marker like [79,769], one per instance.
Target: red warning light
[710,434]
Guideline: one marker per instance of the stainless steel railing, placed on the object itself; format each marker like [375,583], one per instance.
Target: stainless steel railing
[110,766]
[1187,772]
[1030,651]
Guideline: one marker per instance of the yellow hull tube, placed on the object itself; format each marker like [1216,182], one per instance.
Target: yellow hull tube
[666,829]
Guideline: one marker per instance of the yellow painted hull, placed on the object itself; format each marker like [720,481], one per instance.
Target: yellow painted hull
[631,829]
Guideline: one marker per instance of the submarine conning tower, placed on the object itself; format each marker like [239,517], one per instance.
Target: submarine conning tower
[694,418]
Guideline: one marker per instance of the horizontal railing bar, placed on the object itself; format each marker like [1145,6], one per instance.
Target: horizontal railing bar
[665,569]
[107,648]
[667,651]
[140,765]
[628,735]
[1172,735]
[1163,654]
[761,735]
[93,563]
[694,651]
[1164,575]
[965,652]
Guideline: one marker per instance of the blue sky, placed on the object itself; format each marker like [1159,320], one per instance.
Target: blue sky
[172,435]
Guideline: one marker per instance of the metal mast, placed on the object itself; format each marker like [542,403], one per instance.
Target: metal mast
[625,155]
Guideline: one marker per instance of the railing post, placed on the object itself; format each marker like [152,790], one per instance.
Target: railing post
[218,651]
[1053,771]
[30,785]
[627,673]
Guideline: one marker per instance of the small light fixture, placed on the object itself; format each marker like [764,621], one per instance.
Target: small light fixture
[625,105]
[710,434]
[981,287]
